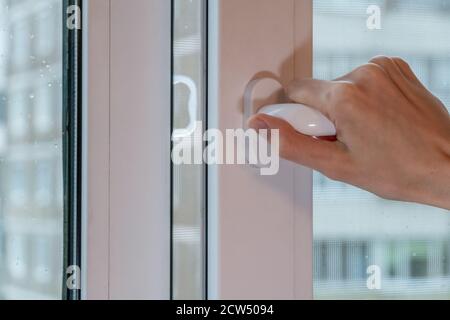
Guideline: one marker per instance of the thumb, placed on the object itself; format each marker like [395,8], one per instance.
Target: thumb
[296,147]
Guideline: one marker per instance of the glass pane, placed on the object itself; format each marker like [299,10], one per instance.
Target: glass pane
[31,194]
[354,231]
[188,180]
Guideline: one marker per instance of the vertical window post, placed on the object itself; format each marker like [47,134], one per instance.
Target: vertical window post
[72,137]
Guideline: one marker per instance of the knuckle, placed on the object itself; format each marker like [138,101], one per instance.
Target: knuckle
[343,95]
[371,70]
[385,63]
[403,65]
[342,91]
[380,60]
[400,61]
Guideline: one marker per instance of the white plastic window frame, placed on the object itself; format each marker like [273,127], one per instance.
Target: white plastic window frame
[260,229]
[260,239]
[126,232]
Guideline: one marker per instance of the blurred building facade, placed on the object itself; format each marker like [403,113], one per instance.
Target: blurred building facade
[352,228]
[31,196]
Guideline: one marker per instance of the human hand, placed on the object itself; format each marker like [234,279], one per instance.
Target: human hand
[393,135]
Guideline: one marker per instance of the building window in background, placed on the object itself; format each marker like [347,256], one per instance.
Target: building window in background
[31,188]
[354,229]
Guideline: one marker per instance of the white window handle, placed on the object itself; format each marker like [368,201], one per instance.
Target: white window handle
[304,119]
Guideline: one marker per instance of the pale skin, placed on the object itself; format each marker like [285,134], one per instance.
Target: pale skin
[393,135]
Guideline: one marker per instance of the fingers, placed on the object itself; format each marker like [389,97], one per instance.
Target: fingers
[407,71]
[405,79]
[381,71]
[324,156]
[313,93]
[394,71]
[365,73]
